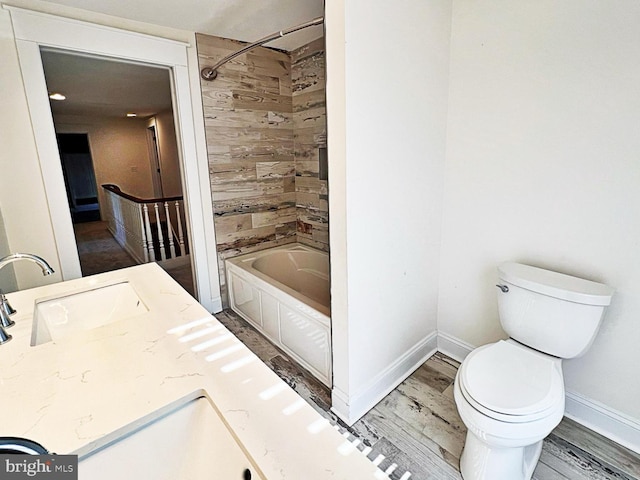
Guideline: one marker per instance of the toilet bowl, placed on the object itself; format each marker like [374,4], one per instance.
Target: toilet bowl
[510,398]
[510,394]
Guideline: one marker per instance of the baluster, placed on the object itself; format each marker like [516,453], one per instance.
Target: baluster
[163,254]
[145,248]
[180,232]
[117,220]
[147,224]
[172,248]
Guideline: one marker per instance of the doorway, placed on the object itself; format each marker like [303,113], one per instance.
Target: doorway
[79,177]
[33,31]
[97,249]
[125,108]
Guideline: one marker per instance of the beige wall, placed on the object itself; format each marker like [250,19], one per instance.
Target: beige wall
[119,150]
[169,159]
[542,167]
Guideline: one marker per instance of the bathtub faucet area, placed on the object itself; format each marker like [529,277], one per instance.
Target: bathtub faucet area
[5,309]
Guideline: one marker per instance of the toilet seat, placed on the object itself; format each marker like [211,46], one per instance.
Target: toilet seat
[512,383]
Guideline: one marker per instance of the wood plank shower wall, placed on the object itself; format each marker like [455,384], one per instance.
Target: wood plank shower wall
[265,121]
[309,136]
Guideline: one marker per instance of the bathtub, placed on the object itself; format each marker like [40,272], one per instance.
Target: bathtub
[284,293]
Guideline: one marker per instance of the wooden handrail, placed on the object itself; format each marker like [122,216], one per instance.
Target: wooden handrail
[116,189]
[149,229]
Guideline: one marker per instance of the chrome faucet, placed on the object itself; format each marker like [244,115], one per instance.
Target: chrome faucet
[46,268]
[7,310]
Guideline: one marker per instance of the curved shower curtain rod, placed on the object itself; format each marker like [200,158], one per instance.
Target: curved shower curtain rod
[210,73]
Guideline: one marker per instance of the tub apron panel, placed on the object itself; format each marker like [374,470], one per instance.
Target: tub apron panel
[298,324]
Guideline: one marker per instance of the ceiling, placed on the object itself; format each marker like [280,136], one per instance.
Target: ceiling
[246,20]
[100,87]
[108,88]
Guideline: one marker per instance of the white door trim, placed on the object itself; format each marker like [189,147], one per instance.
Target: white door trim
[34,30]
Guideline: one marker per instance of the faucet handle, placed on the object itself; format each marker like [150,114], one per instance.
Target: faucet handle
[5,312]
[5,321]
[5,305]
[4,336]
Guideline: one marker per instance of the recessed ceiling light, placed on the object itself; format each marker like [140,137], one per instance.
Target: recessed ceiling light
[57,96]
[132,115]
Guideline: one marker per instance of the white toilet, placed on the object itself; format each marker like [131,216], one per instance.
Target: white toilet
[510,394]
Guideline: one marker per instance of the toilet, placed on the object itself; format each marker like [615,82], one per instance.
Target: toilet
[510,394]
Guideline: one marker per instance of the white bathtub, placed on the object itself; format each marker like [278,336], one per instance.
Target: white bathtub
[284,293]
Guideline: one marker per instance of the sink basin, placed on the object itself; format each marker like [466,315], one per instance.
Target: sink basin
[191,441]
[57,317]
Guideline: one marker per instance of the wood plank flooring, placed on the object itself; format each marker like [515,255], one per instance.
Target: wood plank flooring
[99,252]
[415,432]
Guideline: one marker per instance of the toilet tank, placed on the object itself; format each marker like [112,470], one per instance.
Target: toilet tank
[551,312]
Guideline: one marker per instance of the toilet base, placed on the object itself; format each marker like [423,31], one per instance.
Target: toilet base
[479,461]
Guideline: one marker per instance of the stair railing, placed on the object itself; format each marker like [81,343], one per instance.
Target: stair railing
[148,229]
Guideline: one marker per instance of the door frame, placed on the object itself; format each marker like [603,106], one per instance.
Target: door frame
[68,183]
[154,159]
[36,30]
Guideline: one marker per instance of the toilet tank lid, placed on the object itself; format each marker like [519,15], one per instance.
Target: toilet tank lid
[554,284]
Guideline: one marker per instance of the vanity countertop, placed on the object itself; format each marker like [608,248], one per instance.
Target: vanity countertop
[70,394]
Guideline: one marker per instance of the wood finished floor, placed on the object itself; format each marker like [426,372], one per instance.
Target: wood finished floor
[417,430]
[99,252]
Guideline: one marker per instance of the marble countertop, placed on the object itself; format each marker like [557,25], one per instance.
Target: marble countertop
[71,395]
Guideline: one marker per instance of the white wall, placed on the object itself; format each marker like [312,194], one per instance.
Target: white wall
[22,197]
[7,277]
[543,167]
[387,92]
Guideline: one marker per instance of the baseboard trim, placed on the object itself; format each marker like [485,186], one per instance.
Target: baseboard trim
[351,409]
[606,421]
[216,304]
[593,415]
[453,347]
